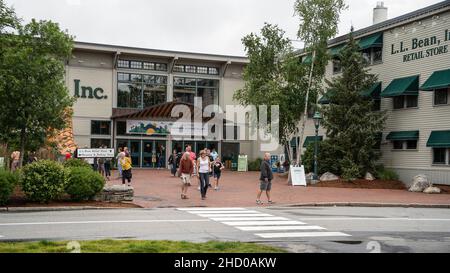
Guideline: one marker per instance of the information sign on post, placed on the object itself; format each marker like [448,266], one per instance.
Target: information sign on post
[242,163]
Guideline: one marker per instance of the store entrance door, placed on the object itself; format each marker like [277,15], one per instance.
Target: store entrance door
[154,154]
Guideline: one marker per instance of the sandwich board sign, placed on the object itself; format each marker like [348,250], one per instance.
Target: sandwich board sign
[242,163]
[92,153]
[297,176]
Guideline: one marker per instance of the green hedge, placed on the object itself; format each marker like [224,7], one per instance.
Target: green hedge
[8,181]
[43,181]
[83,183]
[74,162]
[255,165]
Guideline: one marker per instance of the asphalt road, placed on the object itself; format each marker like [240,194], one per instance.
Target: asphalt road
[306,229]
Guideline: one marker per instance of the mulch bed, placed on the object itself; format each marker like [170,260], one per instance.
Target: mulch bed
[363,184]
[18,200]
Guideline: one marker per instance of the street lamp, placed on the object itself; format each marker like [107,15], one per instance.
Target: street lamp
[317,117]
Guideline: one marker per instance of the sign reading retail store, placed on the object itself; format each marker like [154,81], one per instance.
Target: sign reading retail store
[428,46]
[242,163]
[297,176]
[88,92]
[92,153]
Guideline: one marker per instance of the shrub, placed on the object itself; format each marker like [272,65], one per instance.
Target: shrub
[8,181]
[43,181]
[328,158]
[255,165]
[350,170]
[385,174]
[74,162]
[83,183]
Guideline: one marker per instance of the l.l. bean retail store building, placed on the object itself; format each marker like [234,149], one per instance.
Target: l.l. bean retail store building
[410,55]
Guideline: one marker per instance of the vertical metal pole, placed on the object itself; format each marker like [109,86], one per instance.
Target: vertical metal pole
[315,153]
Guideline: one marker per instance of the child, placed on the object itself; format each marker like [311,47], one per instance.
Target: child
[217,168]
[126,169]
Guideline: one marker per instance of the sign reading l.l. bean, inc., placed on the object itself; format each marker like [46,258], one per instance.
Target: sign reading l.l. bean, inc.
[92,153]
[88,92]
[427,46]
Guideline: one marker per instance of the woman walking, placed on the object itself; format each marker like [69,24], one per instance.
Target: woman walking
[217,169]
[119,158]
[126,169]
[203,169]
[185,171]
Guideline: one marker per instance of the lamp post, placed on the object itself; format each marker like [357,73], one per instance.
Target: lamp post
[317,117]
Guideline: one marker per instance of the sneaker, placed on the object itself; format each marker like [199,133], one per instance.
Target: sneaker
[216,188]
[258,202]
[270,202]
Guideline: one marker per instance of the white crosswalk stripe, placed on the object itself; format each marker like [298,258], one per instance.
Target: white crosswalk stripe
[272,228]
[243,215]
[263,223]
[252,220]
[224,212]
[247,218]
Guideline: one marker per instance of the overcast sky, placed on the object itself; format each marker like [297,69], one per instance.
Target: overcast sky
[207,26]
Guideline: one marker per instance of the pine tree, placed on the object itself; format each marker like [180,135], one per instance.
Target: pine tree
[352,125]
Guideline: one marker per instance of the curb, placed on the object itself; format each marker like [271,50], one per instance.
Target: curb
[38,209]
[362,204]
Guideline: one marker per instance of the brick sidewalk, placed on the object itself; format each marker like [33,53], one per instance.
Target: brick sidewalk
[157,188]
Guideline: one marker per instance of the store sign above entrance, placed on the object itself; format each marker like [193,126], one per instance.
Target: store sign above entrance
[427,46]
[88,92]
[163,128]
[148,127]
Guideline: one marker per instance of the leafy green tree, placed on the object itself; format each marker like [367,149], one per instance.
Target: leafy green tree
[274,76]
[318,23]
[351,124]
[33,92]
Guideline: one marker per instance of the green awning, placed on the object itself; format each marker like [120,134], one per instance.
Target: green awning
[403,135]
[439,139]
[438,80]
[336,50]
[325,99]
[375,40]
[311,139]
[307,59]
[402,86]
[373,92]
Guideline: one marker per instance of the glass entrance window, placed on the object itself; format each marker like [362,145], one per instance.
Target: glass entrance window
[160,153]
[135,152]
[147,154]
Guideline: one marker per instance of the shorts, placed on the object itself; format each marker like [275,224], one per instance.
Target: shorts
[185,179]
[217,175]
[265,185]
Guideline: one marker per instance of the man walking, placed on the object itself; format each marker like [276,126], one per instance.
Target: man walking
[265,178]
